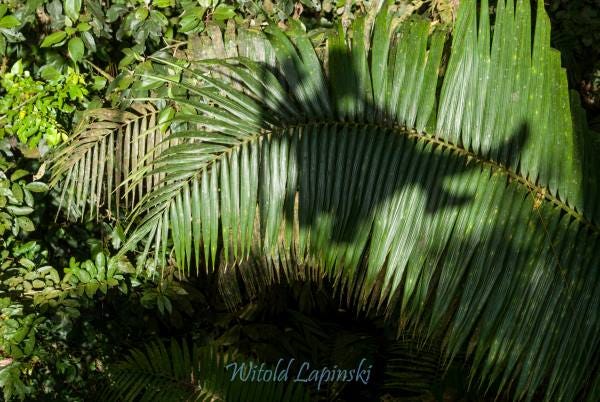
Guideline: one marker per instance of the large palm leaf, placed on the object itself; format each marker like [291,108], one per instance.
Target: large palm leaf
[470,211]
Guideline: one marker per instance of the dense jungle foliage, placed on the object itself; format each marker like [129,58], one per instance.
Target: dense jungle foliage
[188,183]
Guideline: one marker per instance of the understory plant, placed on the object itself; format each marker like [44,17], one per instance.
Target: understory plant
[32,110]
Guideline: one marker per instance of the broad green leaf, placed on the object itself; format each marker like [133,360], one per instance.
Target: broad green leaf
[223,12]
[10,21]
[91,288]
[25,223]
[163,3]
[17,193]
[54,38]
[141,13]
[18,174]
[37,187]
[19,211]
[82,275]
[49,73]
[72,8]
[76,49]
[190,23]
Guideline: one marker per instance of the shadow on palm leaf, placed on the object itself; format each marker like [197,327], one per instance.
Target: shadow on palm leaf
[352,183]
[439,235]
[346,177]
[489,244]
[392,216]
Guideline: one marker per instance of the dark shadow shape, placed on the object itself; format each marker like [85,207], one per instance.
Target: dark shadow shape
[383,151]
[365,169]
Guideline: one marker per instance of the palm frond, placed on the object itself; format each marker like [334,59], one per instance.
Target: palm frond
[473,213]
[111,147]
[106,149]
[403,356]
[180,373]
[461,197]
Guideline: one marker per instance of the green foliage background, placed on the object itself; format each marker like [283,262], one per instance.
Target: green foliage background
[68,306]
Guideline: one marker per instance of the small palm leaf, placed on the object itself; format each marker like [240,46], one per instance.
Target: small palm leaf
[107,147]
[158,373]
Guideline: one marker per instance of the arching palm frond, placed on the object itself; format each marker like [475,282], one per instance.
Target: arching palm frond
[176,373]
[461,197]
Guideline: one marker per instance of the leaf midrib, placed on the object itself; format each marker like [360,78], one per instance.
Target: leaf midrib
[538,192]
